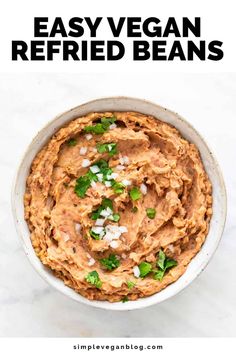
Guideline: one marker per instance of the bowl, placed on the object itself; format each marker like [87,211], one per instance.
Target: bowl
[197,264]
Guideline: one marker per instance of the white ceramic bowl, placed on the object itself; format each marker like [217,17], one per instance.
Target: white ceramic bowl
[197,264]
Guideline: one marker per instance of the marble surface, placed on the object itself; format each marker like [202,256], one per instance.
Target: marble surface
[29,306]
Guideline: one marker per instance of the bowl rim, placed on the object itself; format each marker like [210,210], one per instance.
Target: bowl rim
[141,302]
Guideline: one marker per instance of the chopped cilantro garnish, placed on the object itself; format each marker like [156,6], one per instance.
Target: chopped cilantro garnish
[107,147]
[111,262]
[134,209]
[135,193]
[125,299]
[130,284]
[151,213]
[106,203]
[118,187]
[82,184]
[105,170]
[145,268]
[71,142]
[115,217]
[102,126]
[94,235]
[96,129]
[93,278]
[163,263]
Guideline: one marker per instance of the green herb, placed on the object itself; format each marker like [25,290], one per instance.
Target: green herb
[130,284]
[163,263]
[118,187]
[96,129]
[94,235]
[111,262]
[102,126]
[107,147]
[82,185]
[151,213]
[145,268]
[161,260]
[93,278]
[105,170]
[159,274]
[71,142]
[106,203]
[115,217]
[125,299]
[135,193]
[134,209]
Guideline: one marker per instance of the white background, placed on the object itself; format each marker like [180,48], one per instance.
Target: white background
[29,306]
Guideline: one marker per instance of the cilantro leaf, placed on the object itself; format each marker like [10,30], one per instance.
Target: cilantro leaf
[102,126]
[135,193]
[106,203]
[151,213]
[105,170]
[130,284]
[111,262]
[170,263]
[145,268]
[117,186]
[93,278]
[94,235]
[159,274]
[163,263]
[84,182]
[96,129]
[125,299]
[82,185]
[71,142]
[115,217]
[111,148]
[161,260]
[134,209]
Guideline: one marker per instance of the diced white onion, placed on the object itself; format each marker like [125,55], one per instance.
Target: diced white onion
[88,136]
[98,229]
[126,182]
[113,126]
[77,227]
[83,150]
[143,188]
[114,244]
[91,261]
[86,163]
[99,222]
[106,212]
[100,177]
[126,160]
[94,169]
[120,167]
[123,229]
[136,271]
[108,184]
[65,236]
[93,184]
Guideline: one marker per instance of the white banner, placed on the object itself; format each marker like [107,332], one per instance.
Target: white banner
[217,24]
[118,345]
